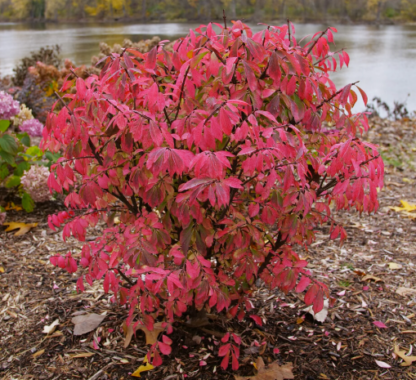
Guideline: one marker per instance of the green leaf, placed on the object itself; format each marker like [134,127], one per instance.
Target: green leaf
[52,156]
[21,168]
[4,172]
[24,138]
[28,203]
[13,181]
[8,158]
[8,144]
[34,151]
[4,125]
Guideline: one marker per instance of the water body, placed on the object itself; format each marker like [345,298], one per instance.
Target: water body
[383,58]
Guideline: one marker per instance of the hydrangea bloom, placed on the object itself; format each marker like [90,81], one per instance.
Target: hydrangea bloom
[8,106]
[33,127]
[2,217]
[24,114]
[35,183]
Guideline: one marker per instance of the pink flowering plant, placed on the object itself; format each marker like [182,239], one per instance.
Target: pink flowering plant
[220,159]
[18,158]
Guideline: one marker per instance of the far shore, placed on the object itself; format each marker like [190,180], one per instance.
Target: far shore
[130,20]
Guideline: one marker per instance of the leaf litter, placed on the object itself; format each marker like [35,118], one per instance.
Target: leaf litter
[346,345]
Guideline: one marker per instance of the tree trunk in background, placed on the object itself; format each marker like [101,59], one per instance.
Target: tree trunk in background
[143,10]
[284,10]
[111,9]
[325,7]
[82,9]
[233,9]
[304,10]
[379,6]
[206,15]
[125,14]
[258,10]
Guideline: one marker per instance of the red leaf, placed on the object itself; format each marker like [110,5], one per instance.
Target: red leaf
[311,294]
[192,269]
[224,350]
[303,284]
[257,319]
[318,303]
[225,361]
[364,95]
[165,349]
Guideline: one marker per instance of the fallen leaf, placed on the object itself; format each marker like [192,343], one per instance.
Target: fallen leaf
[406,209]
[370,277]
[407,180]
[83,355]
[382,364]
[86,323]
[407,360]
[146,366]
[1,270]
[55,334]
[151,336]
[51,328]
[36,354]
[128,333]
[395,266]
[273,372]
[380,325]
[299,321]
[405,291]
[22,227]
[321,316]
[12,206]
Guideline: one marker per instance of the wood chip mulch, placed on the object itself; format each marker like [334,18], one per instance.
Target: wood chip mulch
[372,276]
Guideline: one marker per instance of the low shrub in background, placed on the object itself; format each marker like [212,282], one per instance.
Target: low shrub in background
[220,159]
[49,55]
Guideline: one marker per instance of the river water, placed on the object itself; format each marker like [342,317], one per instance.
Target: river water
[383,58]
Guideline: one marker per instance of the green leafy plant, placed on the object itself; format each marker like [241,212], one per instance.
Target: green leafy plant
[17,156]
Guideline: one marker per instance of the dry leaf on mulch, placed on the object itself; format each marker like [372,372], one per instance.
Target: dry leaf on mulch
[86,323]
[407,360]
[151,336]
[146,366]
[22,228]
[273,372]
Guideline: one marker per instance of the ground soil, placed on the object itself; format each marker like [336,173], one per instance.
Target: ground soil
[366,275]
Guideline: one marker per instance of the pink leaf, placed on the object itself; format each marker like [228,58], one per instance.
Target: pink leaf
[380,325]
[382,364]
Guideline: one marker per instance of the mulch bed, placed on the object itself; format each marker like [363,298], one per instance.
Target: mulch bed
[365,275]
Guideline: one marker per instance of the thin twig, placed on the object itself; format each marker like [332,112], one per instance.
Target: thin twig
[334,95]
[225,19]
[316,41]
[182,89]
[290,36]
[328,56]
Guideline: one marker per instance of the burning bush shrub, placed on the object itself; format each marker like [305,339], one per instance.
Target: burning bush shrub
[219,158]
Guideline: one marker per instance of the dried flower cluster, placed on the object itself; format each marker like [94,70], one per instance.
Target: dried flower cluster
[24,115]
[143,46]
[8,106]
[35,183]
